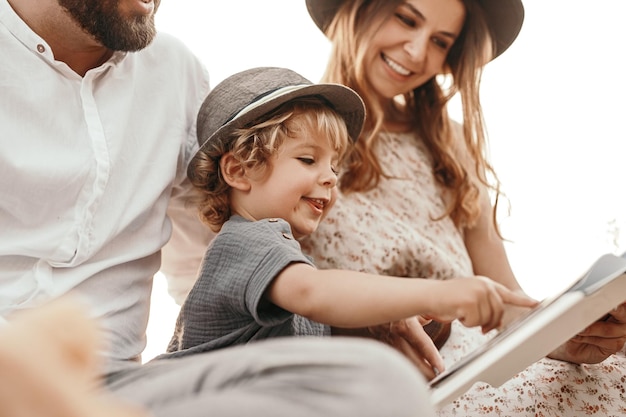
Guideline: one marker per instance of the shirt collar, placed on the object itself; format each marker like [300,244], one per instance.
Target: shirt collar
[22,32]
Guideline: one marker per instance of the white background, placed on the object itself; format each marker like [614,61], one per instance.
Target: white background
[554,108]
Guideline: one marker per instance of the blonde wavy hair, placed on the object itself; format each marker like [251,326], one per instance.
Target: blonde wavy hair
[426,106]
[255,147]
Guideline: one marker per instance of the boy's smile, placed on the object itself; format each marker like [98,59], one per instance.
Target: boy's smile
[317,203]
[297,185]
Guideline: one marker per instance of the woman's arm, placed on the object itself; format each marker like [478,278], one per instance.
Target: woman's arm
[486,249]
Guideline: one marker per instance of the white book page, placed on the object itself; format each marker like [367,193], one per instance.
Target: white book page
[534,335]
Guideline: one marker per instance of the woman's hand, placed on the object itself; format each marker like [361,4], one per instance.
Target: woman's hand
[409,337]
[597,342]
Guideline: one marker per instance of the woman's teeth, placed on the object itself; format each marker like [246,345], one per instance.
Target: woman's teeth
[396,67]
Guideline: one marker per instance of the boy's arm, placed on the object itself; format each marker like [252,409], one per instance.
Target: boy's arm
[352,299]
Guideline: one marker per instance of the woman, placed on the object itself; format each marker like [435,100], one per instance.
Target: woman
[415,196]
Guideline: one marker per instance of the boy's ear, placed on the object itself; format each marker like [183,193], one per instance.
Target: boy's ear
[233,172]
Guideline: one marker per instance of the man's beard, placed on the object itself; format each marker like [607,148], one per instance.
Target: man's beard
[102,19]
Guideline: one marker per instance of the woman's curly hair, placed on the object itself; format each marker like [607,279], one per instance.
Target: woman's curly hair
[460,160]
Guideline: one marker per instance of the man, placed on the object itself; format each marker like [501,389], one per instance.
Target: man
[97,114]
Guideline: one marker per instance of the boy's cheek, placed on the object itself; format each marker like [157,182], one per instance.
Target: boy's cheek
[331,203]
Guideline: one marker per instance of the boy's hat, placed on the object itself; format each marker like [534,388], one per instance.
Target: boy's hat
[242,98]
[504,17]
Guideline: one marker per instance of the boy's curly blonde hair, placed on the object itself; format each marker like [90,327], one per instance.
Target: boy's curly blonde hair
[255,146]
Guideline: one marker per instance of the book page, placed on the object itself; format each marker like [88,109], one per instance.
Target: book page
[535,334]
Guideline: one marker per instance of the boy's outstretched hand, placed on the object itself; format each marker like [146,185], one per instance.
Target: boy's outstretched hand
[476,301]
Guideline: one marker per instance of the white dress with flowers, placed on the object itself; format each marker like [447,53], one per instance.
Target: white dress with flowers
[390,231]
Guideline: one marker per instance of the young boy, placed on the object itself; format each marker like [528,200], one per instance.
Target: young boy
[271,143]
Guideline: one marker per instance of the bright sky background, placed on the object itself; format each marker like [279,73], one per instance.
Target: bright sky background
[554,108]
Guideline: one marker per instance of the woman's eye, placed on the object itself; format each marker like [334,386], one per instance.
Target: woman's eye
[441,43]
[308,161]
[335,170]
[407,20]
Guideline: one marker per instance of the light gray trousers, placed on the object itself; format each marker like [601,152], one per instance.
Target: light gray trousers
[284,377]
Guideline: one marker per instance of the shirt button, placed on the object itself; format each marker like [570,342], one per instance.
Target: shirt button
[287,236]
[272,220]
[41,49]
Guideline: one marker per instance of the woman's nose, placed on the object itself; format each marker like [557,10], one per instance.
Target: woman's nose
[417,48]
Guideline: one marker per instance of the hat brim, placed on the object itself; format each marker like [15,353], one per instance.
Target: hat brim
[342,99]
[504,17]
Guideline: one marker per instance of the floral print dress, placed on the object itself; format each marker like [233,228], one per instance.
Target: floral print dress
[390,231]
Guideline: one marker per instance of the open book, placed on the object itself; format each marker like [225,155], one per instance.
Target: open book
[537,333]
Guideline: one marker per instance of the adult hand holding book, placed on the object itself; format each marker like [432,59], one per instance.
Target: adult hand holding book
[565,327]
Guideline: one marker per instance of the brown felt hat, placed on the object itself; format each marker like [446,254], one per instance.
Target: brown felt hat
[243,98]
[504,17]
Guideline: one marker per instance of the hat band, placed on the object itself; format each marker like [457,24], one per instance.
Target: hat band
[264,98]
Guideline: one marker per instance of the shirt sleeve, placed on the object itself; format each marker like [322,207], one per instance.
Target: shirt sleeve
[270,256]
[182,255]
